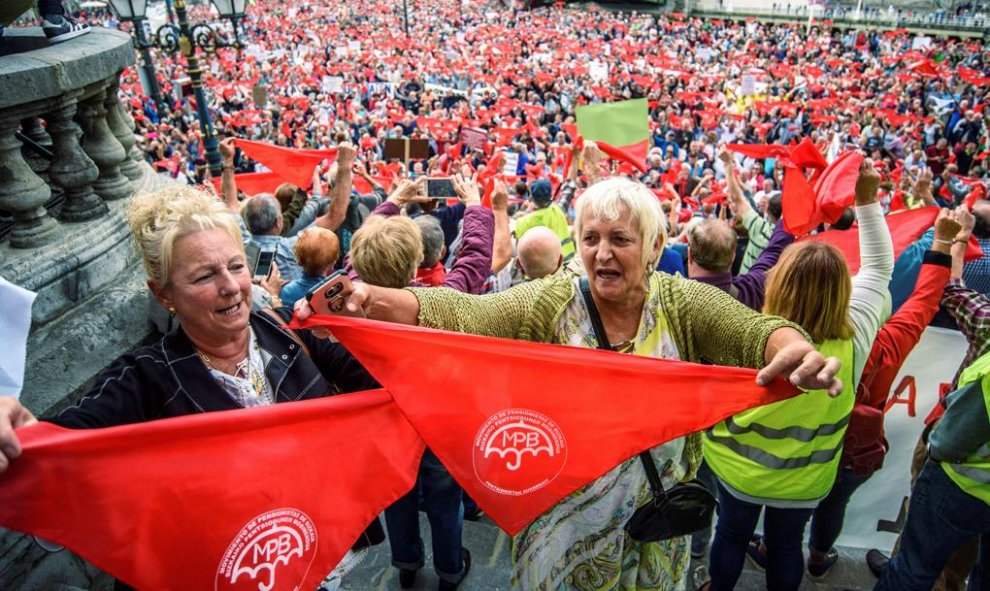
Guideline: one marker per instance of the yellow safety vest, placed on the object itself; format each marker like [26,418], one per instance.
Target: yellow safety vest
[788,450]
[555,219]
[972,475]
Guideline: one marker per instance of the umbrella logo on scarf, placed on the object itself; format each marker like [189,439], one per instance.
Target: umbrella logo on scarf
[518,451]
[271,539]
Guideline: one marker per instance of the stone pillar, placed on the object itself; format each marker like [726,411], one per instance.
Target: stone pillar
[103,148]
[23,192]
[71,168]
[31,128]
[122,130]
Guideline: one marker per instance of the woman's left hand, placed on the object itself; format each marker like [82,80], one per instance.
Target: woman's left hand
[802,365]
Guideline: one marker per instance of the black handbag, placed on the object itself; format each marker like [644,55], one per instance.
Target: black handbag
[687,507]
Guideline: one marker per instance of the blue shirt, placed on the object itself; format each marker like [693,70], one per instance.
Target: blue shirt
[296,290]
[285,258]
[671,262]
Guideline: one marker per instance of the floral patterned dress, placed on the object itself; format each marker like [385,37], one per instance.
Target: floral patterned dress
[580,543]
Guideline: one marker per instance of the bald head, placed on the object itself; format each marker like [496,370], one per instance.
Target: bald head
[712,246]
[539,252]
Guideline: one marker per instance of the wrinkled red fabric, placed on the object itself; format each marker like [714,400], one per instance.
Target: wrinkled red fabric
[226,500]
[295,166]
[521,425]
[906,227]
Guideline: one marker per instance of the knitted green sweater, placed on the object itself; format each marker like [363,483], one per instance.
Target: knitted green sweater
[705,322]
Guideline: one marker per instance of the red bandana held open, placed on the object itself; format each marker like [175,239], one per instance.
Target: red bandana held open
[522,425]
[248,500]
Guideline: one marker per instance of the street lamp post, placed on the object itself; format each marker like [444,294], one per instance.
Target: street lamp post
[133,11]
[186,39]
[405,17]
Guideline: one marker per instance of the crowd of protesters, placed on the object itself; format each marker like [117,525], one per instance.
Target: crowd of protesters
[346,76]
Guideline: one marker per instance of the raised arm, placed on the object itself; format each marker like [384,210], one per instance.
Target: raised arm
[870,296]
[228,186]
[502,245]
[969,308]
[740,205]
[474,261]
[340,194]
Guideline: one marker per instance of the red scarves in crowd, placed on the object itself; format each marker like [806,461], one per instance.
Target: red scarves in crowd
[905,227]
[252,183]
[521,425]
[808,203]
[295,166]
[248,499]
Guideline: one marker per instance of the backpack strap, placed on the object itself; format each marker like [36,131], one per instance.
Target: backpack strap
[272,314]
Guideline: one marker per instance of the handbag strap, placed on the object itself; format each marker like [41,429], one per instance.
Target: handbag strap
[652,475]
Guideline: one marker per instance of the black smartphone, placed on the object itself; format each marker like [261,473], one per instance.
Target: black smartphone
[440,188]
[330,295]
[263,267]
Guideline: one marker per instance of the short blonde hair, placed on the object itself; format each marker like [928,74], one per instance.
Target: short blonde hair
[386,251]
[810,285]
[604,199]
[316,250]
[159,219]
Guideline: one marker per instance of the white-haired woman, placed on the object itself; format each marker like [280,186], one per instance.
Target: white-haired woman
[580,542]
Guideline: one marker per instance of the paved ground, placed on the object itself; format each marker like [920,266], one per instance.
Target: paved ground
[490,567]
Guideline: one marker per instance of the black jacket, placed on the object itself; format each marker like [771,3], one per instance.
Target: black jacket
[168,379]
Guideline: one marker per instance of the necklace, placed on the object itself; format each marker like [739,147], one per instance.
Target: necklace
[247,378]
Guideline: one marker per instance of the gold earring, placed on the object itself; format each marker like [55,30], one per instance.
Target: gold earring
[171,310]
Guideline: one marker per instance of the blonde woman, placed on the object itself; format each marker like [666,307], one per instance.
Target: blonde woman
[782,459]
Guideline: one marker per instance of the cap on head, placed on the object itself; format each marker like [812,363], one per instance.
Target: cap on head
[541,190]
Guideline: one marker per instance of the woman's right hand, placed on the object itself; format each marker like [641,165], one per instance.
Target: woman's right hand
[12,416]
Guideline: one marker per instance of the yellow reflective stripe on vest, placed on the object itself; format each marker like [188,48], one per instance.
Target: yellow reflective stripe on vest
[790,449]
[798,433]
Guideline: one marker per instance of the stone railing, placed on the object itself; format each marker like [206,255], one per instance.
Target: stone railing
[67,167]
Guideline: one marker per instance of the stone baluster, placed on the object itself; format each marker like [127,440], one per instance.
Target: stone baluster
[71,168]
[31,128]
[103,148]
[122,130]
[22,192]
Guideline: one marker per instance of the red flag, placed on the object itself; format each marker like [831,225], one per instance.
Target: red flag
[295,166]
[253,183]
[905,228]
[836,187]
[266,498]
[521,425]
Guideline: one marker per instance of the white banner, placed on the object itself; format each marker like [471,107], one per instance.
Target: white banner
[933,362]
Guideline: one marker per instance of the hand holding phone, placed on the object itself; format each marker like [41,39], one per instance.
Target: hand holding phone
[263,266]
[330,296]
[440,188]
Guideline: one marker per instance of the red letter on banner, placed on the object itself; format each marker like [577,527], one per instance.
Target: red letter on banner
[906,383]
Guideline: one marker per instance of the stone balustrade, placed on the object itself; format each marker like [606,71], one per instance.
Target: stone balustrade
[63,99]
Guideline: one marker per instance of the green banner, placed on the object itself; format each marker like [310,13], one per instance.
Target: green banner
[618,124]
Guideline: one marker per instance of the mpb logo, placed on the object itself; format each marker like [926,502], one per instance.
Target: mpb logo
[518,451]
[278,546]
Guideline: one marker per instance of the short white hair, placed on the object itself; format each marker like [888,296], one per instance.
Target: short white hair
[604,200]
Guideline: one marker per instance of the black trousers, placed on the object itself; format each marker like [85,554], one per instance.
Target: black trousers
[46,7]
